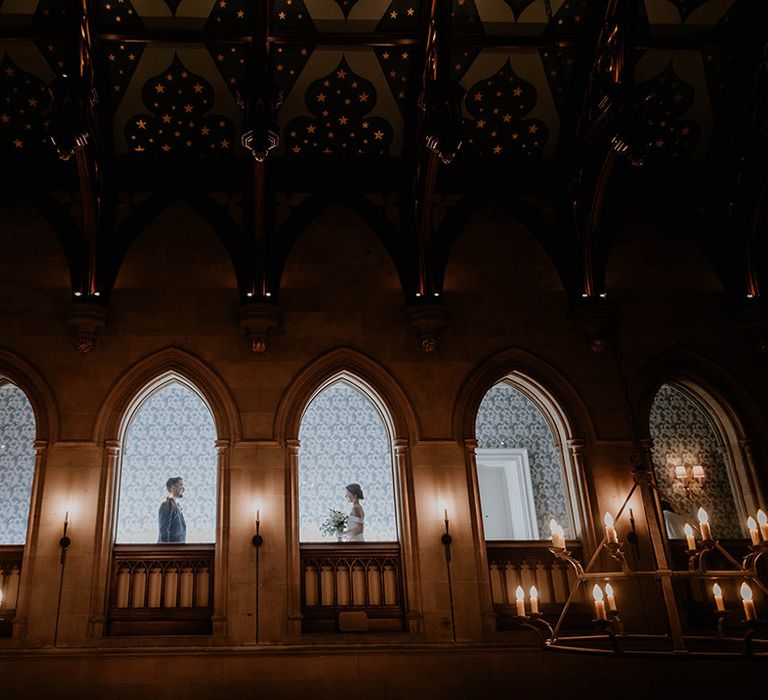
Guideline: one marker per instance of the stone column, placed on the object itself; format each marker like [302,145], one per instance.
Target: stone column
[755,495]
[579,496]
[33,526]
[408,537]
[221,559]
[97,622]
[295,575]
[478,539]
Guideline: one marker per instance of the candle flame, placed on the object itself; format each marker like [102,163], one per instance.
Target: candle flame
[533,593]
[751,524]
[608,589]
[608,520]
[688,530]
[702,516]
[519,594]
[597,593]
[746,591]
[553,526]
[762,518]
[716,590]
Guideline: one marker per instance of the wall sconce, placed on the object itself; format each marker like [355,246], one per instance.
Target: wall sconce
[257,539]
[688,474]
[65,541]
[446,539]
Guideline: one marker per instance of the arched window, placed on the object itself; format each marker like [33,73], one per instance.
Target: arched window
[345,438]
[519,468]
[684,435]
[169,433]
[17,463]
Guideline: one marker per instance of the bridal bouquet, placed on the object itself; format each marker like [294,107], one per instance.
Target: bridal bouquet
[335,523]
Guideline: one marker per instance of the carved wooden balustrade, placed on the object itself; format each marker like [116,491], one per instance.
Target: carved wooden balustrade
[10,572]
[161,589]
[352,578]
[526,564]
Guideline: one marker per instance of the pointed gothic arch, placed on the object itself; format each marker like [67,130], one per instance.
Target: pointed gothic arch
[379,387]
[126,397]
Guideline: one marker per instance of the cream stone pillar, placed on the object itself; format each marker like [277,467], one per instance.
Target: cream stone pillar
[478,538]
[30,548]
[221,558]
[644,478]
[408,537]
[102,565]
[754,495]
[292,531]
[578,495]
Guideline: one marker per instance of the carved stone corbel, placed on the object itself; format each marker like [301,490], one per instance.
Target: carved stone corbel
[259,321]
[428,320]
[86,319]
[592,319]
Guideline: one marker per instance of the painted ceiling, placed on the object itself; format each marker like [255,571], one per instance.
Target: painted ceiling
[170,72]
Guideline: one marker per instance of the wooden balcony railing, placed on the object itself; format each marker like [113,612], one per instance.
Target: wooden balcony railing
[362,578]
[527,564]
[10,572]
[161,589]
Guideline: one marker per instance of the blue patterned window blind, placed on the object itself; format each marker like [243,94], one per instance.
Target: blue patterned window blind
[681,431]
[172,434]
[17,463]
[509,419]
[344,440]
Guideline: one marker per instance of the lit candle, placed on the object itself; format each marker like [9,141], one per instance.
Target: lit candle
[534,594]
[754,533]
[445,514]
[706,533]
[762,520]
[66,518]
[747,602]
[698,472]
[689,536]
[610,532]
[597,593]
[258,520]
[680,471]
[718,593]
[558,538]
[611,598]
[520,601]
[1,597]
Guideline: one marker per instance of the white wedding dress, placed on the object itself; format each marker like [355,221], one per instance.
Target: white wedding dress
[352,522]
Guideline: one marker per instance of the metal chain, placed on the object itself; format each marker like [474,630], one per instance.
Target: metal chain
[548,10]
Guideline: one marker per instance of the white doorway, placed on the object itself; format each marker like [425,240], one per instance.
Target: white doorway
[506,494]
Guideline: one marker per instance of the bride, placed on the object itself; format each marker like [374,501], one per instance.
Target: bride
[356,522]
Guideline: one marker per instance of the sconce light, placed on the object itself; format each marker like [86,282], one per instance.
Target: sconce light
[257,540]
[65,541]
[446,539]
[688,474]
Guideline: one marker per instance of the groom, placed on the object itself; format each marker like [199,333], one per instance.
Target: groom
[170,519]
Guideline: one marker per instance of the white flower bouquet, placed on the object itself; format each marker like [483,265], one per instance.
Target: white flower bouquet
[335,523]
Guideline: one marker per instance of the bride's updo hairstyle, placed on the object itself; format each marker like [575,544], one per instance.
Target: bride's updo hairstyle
[355,490]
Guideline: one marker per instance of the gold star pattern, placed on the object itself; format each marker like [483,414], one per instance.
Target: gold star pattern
[342,102]
[180,123]
[498,105]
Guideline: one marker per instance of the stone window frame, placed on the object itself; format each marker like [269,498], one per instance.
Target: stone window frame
[125,397]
